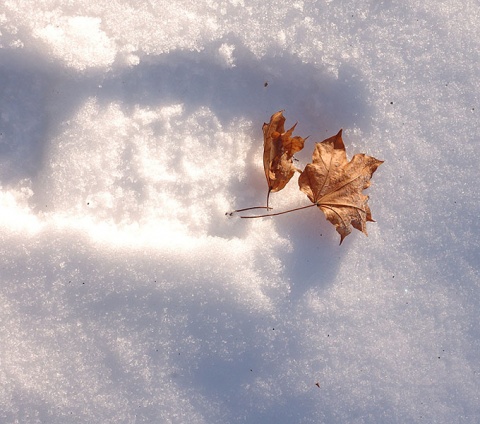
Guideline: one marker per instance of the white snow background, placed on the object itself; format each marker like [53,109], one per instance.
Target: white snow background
[128,129]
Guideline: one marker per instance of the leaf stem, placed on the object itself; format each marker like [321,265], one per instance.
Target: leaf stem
[247,209]
[279,213]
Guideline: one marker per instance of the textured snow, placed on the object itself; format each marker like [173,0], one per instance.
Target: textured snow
[129,128]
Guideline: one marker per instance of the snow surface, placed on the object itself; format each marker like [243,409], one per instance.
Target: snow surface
[128,129]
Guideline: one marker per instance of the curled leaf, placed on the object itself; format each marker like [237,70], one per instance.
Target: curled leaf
[335,185]
[278,149]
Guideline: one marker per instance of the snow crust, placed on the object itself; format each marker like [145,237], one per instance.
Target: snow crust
[129,128]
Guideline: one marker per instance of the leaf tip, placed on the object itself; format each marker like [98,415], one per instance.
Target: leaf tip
[338,141]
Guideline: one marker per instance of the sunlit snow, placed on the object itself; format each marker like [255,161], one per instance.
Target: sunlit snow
[129,128]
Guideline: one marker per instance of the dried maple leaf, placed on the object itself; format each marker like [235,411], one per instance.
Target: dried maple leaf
[335,185]
[278,149]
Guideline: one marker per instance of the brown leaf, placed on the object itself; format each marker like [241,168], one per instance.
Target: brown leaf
[335,185]
[278,149]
